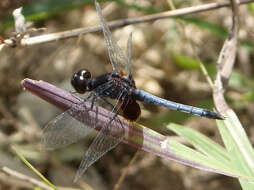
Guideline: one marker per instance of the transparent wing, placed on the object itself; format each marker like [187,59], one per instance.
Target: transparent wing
[106,140]
[117,58]
[67,127]
[129,55]
[109,137]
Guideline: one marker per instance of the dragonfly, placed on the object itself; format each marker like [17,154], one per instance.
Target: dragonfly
[118,85]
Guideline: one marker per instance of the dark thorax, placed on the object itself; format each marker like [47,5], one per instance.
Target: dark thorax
[112,85]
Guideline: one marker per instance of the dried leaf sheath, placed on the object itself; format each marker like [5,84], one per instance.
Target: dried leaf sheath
[65,100]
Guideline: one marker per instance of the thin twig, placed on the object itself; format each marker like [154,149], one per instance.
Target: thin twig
[201,65]
[30,180]
[25,178]
[124,173]
[116,24]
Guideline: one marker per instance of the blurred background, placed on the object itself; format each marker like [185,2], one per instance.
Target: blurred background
[165,64]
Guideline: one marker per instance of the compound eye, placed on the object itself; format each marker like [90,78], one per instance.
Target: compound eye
[80,79]
[84,73]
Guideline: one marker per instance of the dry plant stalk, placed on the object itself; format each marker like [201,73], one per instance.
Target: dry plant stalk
[20,41]
[226,61]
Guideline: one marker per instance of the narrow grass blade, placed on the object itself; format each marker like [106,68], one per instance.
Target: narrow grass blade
[202,143]
[22,158]
[237,144]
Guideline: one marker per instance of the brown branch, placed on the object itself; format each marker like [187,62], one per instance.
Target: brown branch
[116,24]
[226,61]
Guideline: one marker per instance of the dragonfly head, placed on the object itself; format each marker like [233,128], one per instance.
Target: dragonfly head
[80,81]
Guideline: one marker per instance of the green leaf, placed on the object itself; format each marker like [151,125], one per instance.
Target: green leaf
[202,143]
[185,62]
[196,158]
[239,147]
[237,144]
[214,157]
[189,63]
